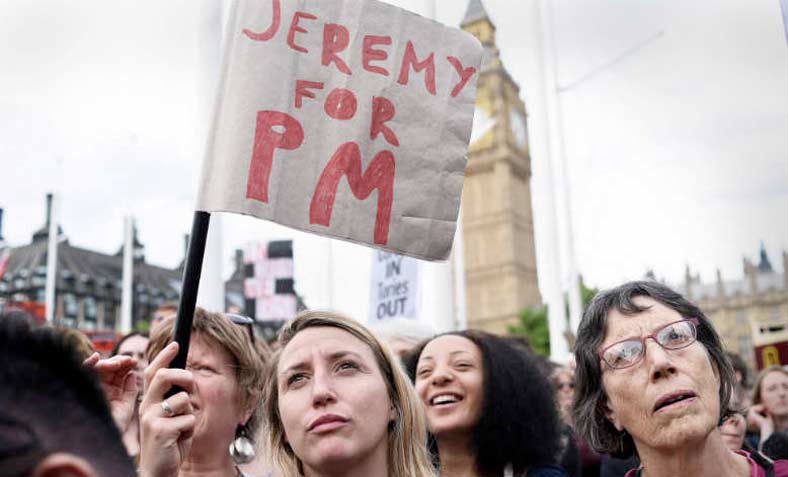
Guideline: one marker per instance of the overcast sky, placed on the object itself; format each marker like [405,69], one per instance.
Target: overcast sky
[675,115]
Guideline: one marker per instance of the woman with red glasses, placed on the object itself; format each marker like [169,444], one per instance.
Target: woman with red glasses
[652,380]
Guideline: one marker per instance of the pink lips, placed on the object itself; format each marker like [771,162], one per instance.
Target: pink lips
[327,422]
[671,398]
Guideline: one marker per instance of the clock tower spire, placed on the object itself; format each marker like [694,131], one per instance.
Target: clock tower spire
[498,232]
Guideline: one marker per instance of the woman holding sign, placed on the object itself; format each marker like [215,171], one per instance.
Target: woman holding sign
[205,429]
[337,403]
[490,410]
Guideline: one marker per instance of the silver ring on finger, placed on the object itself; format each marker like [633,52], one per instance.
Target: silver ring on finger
[167,408]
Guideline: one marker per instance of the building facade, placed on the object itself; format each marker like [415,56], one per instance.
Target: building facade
[88,284]
[497,226]
[746,312]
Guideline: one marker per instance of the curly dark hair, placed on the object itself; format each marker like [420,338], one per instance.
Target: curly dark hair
[519,424]
[590,397]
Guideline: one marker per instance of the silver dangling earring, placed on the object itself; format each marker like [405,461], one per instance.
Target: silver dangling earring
[242,447]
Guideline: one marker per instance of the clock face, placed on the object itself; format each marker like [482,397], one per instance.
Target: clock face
[482,123]
[519,128]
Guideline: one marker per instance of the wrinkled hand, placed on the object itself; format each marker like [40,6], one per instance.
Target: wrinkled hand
[116,375]
[166,437]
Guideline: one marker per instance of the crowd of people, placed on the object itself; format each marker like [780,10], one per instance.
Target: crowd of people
[650,392]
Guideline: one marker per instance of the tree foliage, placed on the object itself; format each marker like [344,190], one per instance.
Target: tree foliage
[533,325]
[533,322]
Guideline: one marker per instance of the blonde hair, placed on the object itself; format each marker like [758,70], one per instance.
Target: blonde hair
[250,360]
[407,439]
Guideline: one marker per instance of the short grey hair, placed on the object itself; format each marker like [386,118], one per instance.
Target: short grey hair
[590,397]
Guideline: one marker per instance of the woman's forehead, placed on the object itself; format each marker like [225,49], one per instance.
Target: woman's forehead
[450,345]
[620,326]
[774,376]
[202,348]
[323,341]
[134,343]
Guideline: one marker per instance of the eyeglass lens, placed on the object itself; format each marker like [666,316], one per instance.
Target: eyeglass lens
[673,336]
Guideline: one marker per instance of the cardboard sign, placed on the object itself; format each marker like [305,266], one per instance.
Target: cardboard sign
[268,286]
[346,118]
[394,289]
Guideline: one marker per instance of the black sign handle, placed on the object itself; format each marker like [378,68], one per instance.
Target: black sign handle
[191,283]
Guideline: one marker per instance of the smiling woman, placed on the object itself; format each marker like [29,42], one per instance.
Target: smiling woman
[490,410]
[652,379]
[338,403]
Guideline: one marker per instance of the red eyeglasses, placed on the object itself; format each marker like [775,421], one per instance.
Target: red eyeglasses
[629,352]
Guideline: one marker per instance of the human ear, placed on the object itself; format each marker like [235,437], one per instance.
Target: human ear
[611,416]
[245,416]
[63,464]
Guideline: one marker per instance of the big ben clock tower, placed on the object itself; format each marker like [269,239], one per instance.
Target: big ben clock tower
[498,232]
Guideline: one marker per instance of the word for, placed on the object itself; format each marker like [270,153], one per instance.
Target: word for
[336,39]
[278,130]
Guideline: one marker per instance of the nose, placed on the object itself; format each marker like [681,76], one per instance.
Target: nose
[442,375]
[322,390]
[659,361]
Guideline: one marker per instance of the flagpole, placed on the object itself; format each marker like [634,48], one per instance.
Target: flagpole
[556,313]
[51,283]
[212,21]
[458,265]
[128,275]
[562,183]
[191,283]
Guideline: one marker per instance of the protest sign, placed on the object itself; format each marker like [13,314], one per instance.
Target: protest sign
[394,288]
[346,118]
[268,283]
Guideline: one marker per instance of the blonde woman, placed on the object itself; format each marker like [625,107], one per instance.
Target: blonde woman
[337,403]
[206,429]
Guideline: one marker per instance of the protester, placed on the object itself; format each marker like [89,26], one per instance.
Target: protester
[54,420]
[163,311]
[742,373]
[339,404]
[190,432]
[134,345]
[769,412]
[490,410]
[776,446]
[652,379]
[575,456]
[81,343]
[733,430]
[564,383]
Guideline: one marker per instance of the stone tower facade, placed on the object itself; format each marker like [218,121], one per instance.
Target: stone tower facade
[751,313]
[498,232]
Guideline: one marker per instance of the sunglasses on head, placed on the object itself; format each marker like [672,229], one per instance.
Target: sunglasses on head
[243,321]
